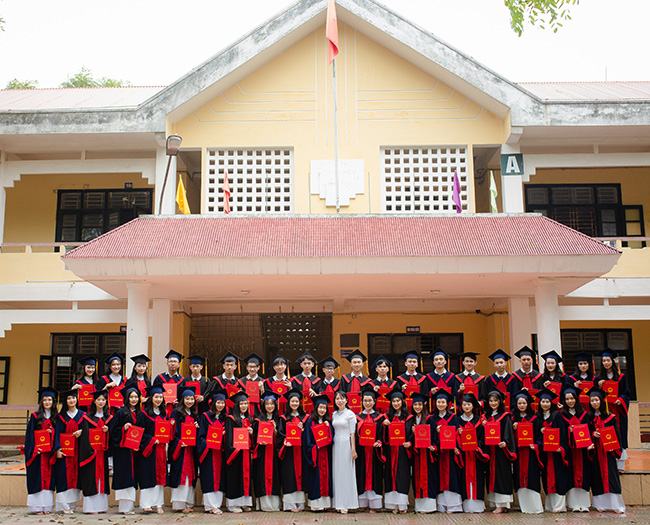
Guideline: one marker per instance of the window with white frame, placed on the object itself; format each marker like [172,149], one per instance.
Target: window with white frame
[421,179]
[260,180]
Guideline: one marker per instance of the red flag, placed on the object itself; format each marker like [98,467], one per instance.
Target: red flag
[226,193]
[332,32]
[456,195]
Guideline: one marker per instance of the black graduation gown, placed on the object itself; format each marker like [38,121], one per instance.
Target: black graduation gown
[268,387]
[291,458]
[621,411]
[266,464]
[350,383]
[448,462]
[507,385]
[67,468]
[238,462]
[254,407]
[389,386]
[605,478]
[212,465]
[152,460]
[397,473]
[183,464]
[576,378]
[105,380]
[446,381]
[527,469]
[39,466]
[318,464]
[124,459]
[160,379]
[531,381]
[426,478]
[468,379]
[370,462]
[329,388]
[93,464]
[472,472]
[418,379]
[83,382]
[231,386]
[555,470]
[204,382]
[499,472]
[579,462]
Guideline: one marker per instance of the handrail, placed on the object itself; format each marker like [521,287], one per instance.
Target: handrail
[58,246]
[626,239]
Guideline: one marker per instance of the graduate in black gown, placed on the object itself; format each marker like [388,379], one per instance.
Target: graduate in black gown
[124,458]
[605,481]
[426,478]
[254,364]
[370,462]
[227,381]
[38,461]
[140,375]
[355,381]
[114,378]
[239,471]
[318,459]
[212,465]
[183,463]
[93,459]
[442,379]
[280,378]
[397,479]
[501,380]
[412,380]
[473,461]
[499,472]
[583,379]
[329,385]
[383,384]
[528,466]
[266,462]
[88,377]
[469,381]
[291,457]
[198,382]
[306,381]
[171,376]
[527,377]
[553,377]
[66,468]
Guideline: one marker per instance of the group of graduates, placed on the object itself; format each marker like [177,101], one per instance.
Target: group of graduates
[458,441]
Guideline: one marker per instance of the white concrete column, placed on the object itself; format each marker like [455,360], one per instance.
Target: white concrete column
[547,314]
[169,199]
[3,195]
[137,319]
[161,334]
[512,186]
[519,328]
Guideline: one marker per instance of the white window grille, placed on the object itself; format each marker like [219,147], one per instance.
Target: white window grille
[260,180]
[421,179]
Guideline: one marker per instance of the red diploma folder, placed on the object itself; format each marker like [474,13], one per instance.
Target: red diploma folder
[492,433]
[551,440]
[214,437]
[231,390]
[396,433]
[411,389]
[132,437]
[447,437]
[85,395]
[163,431]
[42,438]
[585,387]
[253,391]
[468,440]
[611,387]
[67,444]
[506,401]
[169,392]
[581,436]
[115,399]
[354,402]
[422,436]
[188,434]
[321,434]
[279,388]
[555,387]
[240,439]
[97,438]
[609,439]
[525,434]
[294,434]
[367,433]
[384,390]
[535,403]
[196,385]
[471,388]
[307,403]
[265,433]
[382,404]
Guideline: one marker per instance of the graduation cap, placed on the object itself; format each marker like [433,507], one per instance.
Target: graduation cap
[280,359]
[329,361]
[321,399]
[545,393]
[442,393]
[439,351]
[368,391]
[495,393]
[239,397]
[583,356]
[525,394]
[419,398]
[126,391]
[306,356]
[89,360]
[356,353]
[471,355]
[471,398]
[523,351]
[218,395]
[186,391]
[608,352]
[598,392]
[100,393]
[197,359]
[67,393]
[113,357]
[47,391]
[270,395]
[294,392]
[552,355]
[567,389]
[173,353]
[411,354]
[229,357]
[499,354]
[140,359]
[381,359]
[154,389]
[395,394]
[254,359]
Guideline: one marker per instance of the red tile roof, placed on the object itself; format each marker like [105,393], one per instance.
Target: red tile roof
[154,237]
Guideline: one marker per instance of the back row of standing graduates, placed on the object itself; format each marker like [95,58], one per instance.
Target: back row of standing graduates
[282,474]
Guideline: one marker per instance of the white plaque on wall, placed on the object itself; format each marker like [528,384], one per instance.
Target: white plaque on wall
[351,180]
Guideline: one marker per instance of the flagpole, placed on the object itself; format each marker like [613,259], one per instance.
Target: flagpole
[336,138]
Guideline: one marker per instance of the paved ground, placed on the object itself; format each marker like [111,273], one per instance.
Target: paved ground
[20,515]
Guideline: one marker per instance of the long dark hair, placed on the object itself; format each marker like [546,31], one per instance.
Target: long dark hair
[263,414]
[40,411]
[425,411]
[500,409]
[603,372]
[188,411]
[92,409]
[516,413]
[315,417]
[559,374]
[552,410]
[145,376]
[603,408]
[213,410]
[578,406]
[148,407]
[236,413]
[402,414]
[83,374]
[590,370]
[288,412]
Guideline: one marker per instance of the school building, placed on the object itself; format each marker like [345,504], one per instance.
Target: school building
[96,256]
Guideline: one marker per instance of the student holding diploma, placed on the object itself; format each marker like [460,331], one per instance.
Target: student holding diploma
[370,463]
[239,431]
[473,455]
[449,496]
[290,430]
[317,451]
[397,478]
[266,462]
[210,452]
[422,434]
[66,446]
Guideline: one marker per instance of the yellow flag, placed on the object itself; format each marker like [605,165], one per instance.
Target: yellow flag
[181,197]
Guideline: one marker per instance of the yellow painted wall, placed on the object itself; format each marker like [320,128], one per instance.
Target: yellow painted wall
[382,99]
[181,328]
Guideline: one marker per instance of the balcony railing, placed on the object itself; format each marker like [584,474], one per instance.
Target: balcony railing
[617,242]
[42,247]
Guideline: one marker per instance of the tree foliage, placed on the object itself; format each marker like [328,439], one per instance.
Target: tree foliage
[21,84]
[541,13]
[85,79]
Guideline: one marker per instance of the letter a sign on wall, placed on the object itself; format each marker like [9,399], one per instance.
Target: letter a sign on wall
[512,164]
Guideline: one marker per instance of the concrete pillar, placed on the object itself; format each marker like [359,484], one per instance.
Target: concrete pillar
[519,328]
[3,195]
[137,319]
[547,313]
[512,186]
[161,334]
[169,199]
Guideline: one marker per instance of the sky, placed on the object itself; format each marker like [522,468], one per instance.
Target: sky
[155,42]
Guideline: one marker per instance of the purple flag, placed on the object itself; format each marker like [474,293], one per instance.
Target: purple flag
[456,197]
